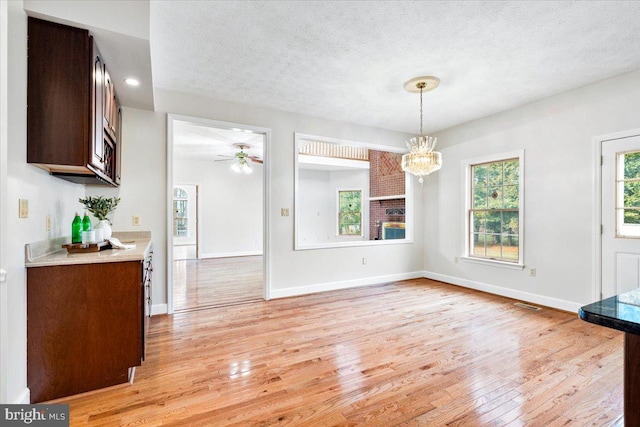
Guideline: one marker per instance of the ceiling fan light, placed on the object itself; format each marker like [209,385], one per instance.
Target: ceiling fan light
[241,165]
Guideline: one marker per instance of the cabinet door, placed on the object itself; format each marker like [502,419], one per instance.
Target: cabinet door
[106,102]
[96,155]
[110,106]
[83,327]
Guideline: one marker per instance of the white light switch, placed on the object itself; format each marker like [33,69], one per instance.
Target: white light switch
[23,208]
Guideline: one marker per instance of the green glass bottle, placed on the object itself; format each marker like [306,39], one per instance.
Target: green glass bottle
[76,229]
[86,222]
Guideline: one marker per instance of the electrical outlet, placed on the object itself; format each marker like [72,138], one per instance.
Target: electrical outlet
[23,208]
[284,212]
[136,220]
[47,223]
[455,259]
[532,272]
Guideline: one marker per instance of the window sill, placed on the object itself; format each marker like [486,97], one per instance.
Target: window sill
[493,263]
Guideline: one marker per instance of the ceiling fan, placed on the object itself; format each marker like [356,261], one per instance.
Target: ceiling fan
[241,160]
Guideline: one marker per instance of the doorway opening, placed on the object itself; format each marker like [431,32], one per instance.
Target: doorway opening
[217,229]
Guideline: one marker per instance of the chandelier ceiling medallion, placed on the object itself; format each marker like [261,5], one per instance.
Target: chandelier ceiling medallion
[421,160]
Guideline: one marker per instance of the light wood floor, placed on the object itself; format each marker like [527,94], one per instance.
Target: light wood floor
[216,282]
[412,353]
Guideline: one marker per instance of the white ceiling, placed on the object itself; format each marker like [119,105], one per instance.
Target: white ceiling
[195,141]
[348,60]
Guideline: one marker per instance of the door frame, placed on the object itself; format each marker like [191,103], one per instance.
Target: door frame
[597,205]
[266,208]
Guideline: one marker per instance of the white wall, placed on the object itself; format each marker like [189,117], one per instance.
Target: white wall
[143,190]
[314,204]
[4,331]
[318,193]
[305,271]
[556,134]
[230,206]
[46,195]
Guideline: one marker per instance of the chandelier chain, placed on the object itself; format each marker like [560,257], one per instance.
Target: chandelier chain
[421,133]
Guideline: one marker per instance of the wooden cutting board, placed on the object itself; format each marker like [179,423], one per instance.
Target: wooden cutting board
[87,247]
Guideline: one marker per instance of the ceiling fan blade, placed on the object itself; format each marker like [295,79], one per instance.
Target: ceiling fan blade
[256,159]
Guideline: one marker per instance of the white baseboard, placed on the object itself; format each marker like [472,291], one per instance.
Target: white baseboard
[159,309]
[333,286]
[24,398]
[231,254]
[506,292]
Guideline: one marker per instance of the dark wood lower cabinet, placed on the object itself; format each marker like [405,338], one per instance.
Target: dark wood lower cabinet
[84,327]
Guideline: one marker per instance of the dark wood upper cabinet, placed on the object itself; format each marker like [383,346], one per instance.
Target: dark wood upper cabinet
[72,109]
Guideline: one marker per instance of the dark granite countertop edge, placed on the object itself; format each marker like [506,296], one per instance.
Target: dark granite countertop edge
[609,322]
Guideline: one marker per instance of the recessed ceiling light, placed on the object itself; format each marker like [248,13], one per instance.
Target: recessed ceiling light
[131,81]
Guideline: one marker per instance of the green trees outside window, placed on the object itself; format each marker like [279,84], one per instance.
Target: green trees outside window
[494,214]
[629,188]
[350,213]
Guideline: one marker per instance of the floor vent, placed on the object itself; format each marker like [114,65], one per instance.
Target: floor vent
[527,306]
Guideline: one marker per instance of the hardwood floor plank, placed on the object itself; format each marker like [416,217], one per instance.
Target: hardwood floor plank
[215,282]
[411,353]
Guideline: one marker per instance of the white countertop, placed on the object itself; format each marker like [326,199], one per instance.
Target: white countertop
[36,256]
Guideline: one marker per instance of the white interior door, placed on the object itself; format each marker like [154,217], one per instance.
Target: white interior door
[185,218]
[620,211]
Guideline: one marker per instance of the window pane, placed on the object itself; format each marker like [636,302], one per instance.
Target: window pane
[510,247]
[180,227]
[495,173]
[494,249]
[495,197]
[510,195]
[179,193]
[631,216]
[631,194]
[478,244]
[479,175]
[180,208]
[479,221]
[632,165]
[493,222]
[510,222]
[350,216]
[511,172]
[480,197]
[349,201]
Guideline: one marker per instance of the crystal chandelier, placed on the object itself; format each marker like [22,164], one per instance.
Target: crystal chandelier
[421,160]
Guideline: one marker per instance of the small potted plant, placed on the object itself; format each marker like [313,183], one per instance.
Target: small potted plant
[100,207]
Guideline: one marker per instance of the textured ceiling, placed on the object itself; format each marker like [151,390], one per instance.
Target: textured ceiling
[349,60]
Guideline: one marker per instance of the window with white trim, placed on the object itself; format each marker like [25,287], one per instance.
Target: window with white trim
[628,194]
[350,213]
[495,209]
